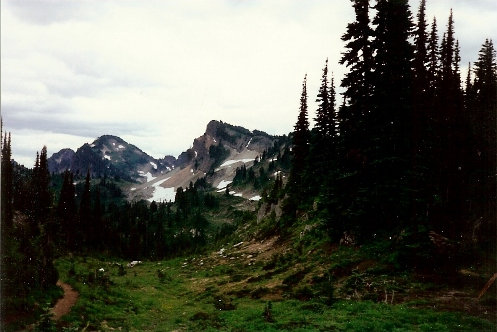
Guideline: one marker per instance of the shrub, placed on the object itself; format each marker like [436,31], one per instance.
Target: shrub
[268,312]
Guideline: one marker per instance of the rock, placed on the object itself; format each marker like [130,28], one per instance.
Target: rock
[133,263]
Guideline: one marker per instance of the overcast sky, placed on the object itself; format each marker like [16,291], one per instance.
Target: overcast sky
[155,72]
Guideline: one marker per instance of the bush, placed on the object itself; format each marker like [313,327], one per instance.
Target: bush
[268,312]
[163,276]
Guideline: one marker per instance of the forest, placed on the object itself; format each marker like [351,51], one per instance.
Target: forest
[405,159]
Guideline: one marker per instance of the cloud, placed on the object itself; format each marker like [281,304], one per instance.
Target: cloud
[155,72]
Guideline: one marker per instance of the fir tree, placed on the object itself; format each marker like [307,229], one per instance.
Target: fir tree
[323,127]
[433,59]
[483,124]
[66,209]
[300,143]
[85,211]
[7,174]
[357,81]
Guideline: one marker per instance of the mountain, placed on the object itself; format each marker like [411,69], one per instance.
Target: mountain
[111,156]
[214,155]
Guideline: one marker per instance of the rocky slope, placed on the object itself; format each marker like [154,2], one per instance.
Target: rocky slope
[111,156]
[215,155]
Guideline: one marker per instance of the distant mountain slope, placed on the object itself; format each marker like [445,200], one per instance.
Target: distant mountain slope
[111,156]
[215,155]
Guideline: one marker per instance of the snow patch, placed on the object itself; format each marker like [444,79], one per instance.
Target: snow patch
[120,146]
[133,189]
[256,198]
[161,193]
[92,145]
[154,165]
[238,195]
[276,173]
[114,143]
[196,154]
[223,184]
[250,141]
[231,162]
[106,157]
[232,192]
[148,175]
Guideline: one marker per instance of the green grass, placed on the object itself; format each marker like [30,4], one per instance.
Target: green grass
[196,297]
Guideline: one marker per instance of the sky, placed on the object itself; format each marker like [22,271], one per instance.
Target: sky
[155,72]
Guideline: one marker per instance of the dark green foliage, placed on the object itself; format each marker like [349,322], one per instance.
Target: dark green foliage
[217,153]
[412,150]
[300,150]
[268,312]
[46,324]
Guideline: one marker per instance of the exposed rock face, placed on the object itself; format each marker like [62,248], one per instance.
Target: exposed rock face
[216,154]
[61,161]
[111,156]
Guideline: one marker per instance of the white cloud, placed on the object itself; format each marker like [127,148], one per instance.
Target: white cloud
[155,72]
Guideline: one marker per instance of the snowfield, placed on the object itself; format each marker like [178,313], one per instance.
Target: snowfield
[161,194]
[148,175]
[231,162]
[223,184]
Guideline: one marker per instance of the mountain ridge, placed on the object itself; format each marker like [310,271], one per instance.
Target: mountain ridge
[214,154]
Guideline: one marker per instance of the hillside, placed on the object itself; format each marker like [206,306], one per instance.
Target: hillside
[110,156]
[215,155]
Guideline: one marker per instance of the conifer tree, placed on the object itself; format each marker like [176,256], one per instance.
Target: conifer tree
[301,137]
[391,118]
[66,209]
[357,82]
[484,126]
[323,126]
[7,184]
[452,147]
[421,60]
[433,57]
[85,211]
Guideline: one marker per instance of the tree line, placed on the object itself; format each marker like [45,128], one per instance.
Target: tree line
[410,147]
[39,222]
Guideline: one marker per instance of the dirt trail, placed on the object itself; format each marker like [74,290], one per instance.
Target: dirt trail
[64,305]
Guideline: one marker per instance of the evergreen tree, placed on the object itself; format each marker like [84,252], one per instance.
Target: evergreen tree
[66,209]
[323,126]
[42,198]
[7,174]
[391,118]
[85,211]
[357,82]
[389,149]
[484,126]
[433,59]
[452,147]
[421,60]
[300,150]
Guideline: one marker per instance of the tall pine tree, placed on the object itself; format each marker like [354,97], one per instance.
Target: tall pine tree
[357,83]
